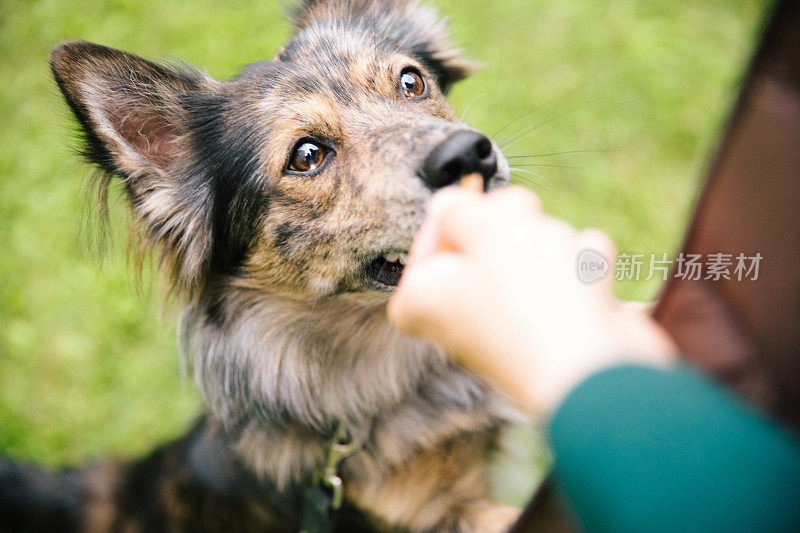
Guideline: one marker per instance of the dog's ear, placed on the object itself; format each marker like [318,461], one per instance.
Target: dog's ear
[135,127]
[416,29]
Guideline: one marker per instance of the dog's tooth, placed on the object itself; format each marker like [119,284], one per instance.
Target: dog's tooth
[392,258]
[403,259]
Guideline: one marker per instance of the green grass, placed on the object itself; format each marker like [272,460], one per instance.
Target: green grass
[89,366]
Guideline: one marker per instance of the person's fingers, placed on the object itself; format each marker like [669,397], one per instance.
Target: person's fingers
[463,223]
[427,240]
[457,216]
[600,243]
[446,197]
[426,297]
[515,198]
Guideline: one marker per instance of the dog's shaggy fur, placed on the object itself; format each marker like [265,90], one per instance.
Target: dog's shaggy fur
[285,326]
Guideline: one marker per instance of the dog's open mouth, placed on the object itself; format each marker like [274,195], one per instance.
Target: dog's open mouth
[387,268]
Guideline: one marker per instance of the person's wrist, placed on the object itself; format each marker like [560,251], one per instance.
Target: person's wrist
[599,339]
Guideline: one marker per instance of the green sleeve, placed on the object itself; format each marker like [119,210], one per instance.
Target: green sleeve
[643,449]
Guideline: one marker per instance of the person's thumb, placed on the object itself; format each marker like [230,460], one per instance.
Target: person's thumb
[428,295]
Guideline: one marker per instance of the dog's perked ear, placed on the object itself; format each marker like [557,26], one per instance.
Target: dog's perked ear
[135,128]
[414,28]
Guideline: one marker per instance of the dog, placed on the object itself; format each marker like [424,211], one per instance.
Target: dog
[281,206]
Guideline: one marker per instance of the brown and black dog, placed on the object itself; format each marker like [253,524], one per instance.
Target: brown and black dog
[281,204]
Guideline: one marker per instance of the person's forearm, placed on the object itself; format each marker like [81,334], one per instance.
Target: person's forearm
[642,449]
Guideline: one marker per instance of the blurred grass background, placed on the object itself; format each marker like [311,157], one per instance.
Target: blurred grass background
[88,363]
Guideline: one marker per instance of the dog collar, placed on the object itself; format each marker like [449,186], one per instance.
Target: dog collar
[324,497]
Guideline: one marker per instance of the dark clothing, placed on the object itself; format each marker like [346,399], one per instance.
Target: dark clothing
[643,449]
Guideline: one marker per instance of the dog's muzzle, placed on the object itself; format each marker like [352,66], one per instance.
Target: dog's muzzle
[462,153]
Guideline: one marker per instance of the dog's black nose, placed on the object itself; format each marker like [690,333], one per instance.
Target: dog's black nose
[463,153]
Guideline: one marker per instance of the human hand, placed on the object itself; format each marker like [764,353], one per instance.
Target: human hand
[493,280]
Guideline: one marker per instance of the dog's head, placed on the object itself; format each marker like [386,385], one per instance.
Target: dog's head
[306,175]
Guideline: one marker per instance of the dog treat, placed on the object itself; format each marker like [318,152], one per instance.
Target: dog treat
[473,182]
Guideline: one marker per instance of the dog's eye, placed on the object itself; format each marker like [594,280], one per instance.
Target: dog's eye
[411,83]
[307,156]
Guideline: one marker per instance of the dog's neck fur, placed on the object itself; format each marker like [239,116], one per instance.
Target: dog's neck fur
[265,364]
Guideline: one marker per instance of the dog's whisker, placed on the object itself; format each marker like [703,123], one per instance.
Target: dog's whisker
[507,140]
[510,140]
[539,175]
[535,165]
[545,108]
[467,108]
[514,121]
[532,172]
[530,183]
[308,320]
[496,86]
[571,152]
